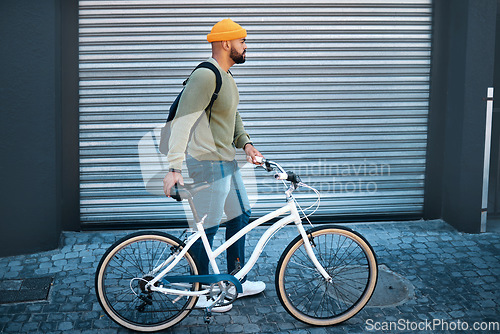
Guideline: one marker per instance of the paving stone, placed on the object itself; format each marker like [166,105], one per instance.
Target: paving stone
[58,256]
[72,255]
[286,325]
[234,328]
[65,326]
[12,327]
[30,327]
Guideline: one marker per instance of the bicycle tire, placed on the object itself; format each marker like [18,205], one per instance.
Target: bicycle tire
[350,261]
[120,282]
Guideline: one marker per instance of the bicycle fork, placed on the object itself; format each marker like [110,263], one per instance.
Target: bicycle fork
[308,242]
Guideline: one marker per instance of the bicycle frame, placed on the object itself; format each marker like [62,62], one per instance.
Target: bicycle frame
[293,216]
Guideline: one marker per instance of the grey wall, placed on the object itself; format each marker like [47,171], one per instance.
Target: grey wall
[463,59]
[31,136]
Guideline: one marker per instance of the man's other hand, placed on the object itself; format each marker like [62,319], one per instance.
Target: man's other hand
[171,179]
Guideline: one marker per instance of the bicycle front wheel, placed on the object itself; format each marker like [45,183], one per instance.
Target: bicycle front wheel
[349,260]
[123,273]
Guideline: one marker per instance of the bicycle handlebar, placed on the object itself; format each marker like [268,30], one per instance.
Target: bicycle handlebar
[281,174]
[294,179]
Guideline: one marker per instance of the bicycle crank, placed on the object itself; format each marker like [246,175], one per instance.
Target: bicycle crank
[224,292]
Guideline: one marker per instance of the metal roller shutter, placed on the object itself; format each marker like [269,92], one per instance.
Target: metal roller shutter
[335,90]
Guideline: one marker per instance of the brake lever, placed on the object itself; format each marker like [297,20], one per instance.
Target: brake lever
[268,167]
[264,164]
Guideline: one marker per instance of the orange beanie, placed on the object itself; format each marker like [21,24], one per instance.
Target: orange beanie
[226,30]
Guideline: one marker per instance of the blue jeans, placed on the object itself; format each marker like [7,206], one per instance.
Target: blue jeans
[226,194]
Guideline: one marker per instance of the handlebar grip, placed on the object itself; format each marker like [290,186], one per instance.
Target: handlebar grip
[289,176]
[174,193]
[281,176]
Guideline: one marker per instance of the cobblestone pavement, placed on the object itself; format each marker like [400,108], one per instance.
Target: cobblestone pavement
[455,278]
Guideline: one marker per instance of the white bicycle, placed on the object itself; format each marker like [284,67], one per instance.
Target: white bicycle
[148,281]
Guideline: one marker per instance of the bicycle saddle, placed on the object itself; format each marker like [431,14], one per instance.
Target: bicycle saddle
[188,190]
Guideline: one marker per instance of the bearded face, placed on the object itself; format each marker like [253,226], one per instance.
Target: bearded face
[238,58]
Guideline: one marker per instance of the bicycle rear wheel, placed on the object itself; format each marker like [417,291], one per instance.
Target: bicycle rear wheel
[349,260]
[123,273]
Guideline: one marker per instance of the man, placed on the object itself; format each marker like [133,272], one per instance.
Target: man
[211,150]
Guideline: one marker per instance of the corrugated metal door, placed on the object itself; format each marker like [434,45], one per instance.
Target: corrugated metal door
[335,90]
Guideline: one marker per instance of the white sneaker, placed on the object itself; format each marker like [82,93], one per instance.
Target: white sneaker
[252,288]
[203,303]
[249,289]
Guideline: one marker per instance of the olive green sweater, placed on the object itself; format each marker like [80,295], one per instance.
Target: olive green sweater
[214,140]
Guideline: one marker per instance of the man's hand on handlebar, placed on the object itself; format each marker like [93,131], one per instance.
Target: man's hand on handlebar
[253,154]
[171,179]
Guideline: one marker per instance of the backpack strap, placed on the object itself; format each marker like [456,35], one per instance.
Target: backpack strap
[218,84]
